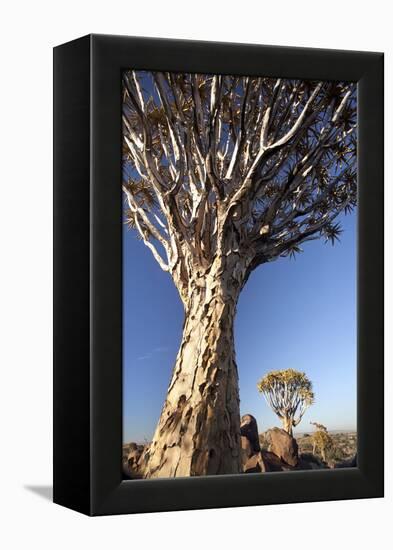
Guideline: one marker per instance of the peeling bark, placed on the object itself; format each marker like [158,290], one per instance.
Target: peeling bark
[199,429]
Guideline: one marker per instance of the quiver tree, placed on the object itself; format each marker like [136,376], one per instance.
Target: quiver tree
[222,174]
[289,393]
[319,427]
[321,440]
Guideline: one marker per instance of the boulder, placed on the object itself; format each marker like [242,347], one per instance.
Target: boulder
[134,454]
[275,464]
[252,458]
[249,434]
[131,466]
[255,464]
[284,446]
[308,461]
[272,462]
[351,463]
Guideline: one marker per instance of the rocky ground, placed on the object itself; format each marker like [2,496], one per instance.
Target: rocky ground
[133,460]
[272,451]
[344,446]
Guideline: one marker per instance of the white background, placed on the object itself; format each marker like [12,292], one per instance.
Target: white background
[28,31]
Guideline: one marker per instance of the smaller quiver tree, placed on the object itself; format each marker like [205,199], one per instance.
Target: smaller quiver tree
[321,440]
[289,393]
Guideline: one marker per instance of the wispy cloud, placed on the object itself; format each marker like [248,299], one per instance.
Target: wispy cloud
[150,354]
[143,357]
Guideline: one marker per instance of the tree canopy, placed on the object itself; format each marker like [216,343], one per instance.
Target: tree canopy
[219,164]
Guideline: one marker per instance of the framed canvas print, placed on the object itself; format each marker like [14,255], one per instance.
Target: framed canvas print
[218,275]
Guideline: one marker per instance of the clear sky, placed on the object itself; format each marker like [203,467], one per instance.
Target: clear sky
[297,314]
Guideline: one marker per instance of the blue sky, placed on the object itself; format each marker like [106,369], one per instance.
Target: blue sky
[291,314]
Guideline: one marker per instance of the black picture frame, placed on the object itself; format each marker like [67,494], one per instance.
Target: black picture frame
[88,276]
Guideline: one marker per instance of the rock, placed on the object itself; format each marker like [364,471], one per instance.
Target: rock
[351,463]
[249,434]
[143,459]
[134,454]
[255,464]
[131,463]
[272,462]
[284,446]
[308,461]
[252,458]
[246,448]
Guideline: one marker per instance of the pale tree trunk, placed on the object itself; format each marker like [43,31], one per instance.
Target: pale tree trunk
[198,432]
[288,425]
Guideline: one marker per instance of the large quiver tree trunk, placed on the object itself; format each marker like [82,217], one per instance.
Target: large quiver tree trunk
[198,432]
